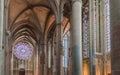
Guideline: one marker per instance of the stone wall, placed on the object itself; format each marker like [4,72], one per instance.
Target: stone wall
[115,36]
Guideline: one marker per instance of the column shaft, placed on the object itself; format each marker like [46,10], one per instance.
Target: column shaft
[76,32]
[59,47]
[93,37]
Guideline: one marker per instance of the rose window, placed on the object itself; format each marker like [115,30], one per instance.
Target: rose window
[23,50]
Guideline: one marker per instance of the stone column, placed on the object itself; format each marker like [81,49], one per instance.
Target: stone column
[59,47]
[1,37]
[49,57]
[93,32]
[42,58]
[115,36]
[76,38]
[36,59]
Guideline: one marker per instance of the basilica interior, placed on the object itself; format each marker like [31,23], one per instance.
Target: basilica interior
[59,37]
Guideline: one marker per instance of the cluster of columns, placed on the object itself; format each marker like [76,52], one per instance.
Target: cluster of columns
[76,40]
[76,33]
[76,46]
[97,41]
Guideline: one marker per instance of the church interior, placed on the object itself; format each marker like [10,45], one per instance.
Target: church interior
[59,37]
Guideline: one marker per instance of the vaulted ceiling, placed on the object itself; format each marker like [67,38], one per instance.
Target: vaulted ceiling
[29,17]
[33,18]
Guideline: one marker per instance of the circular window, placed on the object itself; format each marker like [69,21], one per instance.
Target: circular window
[23,50]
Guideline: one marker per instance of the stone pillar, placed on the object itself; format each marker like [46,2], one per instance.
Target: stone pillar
[76,38]
[59,47]
[93,37]
[1,37]
[36,58]
[115,36]
[42,58]
[49,57]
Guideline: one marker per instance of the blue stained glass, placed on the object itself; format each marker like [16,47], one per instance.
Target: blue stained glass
[108,48]
[23,50]
[85,31]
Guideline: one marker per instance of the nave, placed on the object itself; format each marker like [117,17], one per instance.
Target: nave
[59,37]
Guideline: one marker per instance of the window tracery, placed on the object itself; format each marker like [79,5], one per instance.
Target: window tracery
[23,50]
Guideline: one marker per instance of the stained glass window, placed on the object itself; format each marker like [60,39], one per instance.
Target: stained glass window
[107,37]
[86,31]
[23,50]
[107,8]
[66,46]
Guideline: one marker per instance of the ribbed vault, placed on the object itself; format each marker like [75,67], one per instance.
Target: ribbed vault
[34,18]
